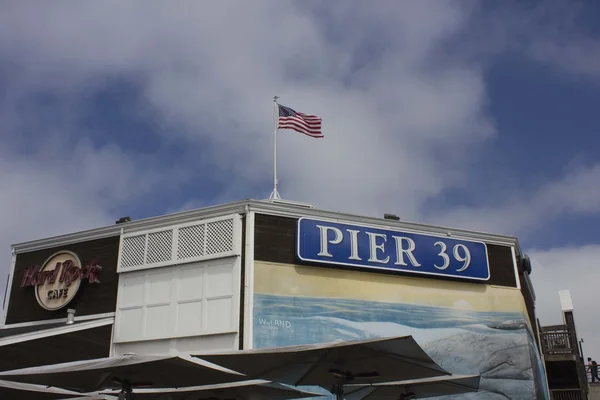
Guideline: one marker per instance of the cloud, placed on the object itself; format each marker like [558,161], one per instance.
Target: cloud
[558,37]
[574,269]
[402,95]
[553,33]
[578,56]
[390,114]
[60,186]
[522,211]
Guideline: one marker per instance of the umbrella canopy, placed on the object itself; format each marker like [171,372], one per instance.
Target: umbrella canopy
[331,365]
[125,372]
[14,390]
[246,390]
[415,389]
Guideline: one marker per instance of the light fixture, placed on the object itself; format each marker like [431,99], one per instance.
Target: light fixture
[393,217]
[70,316]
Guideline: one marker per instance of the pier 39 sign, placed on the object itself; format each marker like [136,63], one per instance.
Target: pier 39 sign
[388,249]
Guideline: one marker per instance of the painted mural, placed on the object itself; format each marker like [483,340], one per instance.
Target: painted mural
[465,328]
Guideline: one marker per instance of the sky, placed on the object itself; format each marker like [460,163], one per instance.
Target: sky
[468,114]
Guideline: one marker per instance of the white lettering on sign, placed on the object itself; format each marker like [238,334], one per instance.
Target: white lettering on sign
[466,259]
[404,249]
[363,246]
[58,293]
[401,251]
[373,247]
[325,240]
[444,256]
[275,324]
[353,244]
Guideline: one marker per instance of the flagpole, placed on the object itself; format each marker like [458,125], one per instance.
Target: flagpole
[275,193]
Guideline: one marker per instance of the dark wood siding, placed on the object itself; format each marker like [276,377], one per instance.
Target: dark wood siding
[275,241]
[529,303]
[97,298]
[81,345]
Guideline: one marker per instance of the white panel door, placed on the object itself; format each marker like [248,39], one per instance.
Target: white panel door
[194,299]
[131,307]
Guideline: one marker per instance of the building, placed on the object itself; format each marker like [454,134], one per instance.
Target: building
[565,365]
[255,274]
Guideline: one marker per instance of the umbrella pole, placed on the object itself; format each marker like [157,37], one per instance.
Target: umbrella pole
[126,393]
[338,390]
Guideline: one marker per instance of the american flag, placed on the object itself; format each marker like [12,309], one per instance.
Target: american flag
[304,123]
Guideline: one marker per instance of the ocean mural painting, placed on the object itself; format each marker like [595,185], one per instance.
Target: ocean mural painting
[496,344]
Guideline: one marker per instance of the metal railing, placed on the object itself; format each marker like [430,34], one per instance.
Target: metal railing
[588,373]
[566,394]
[557,343]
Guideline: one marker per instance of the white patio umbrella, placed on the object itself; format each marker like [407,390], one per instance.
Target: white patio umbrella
[332,365]
[414,389]
[24,391]
[125,372]
[245,390]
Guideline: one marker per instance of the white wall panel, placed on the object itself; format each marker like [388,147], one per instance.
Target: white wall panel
[180,285]
[177,346]
[193,299]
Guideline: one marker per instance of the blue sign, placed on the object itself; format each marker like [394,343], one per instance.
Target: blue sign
[389,249]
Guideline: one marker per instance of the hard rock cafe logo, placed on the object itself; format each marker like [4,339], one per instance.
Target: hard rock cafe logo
[59,279]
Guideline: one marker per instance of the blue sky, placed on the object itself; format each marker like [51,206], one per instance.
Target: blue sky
[479,115]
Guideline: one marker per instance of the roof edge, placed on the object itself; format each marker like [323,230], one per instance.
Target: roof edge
[262,206]
[284,210]
[60,330]
[117,229]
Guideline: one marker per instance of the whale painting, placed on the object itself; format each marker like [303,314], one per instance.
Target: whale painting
[466,328]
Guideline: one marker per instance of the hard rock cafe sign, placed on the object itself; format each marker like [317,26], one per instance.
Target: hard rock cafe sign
[59,279]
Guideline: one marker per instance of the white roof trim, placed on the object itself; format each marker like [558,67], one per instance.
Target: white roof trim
[265,207]
[142,224]
[25,337]
[296,212]
[79,318]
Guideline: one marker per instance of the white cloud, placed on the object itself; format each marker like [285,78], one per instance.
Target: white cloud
[558,36]
[553,33]
[61,187]
[579,56]
[215,81]
[572,268]
[388,109]
[400,111]
[576,193]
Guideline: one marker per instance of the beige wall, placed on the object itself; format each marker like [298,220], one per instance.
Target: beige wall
[294,280]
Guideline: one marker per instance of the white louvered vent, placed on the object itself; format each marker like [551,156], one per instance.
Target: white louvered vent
[160,247]
[200,240]
[218,236]
[132,251]
[189,238]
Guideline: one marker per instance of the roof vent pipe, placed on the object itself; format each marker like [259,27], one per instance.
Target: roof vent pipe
[70,316]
